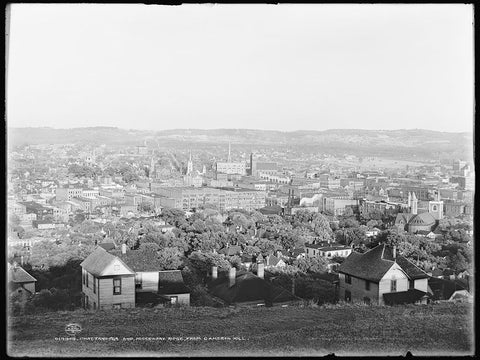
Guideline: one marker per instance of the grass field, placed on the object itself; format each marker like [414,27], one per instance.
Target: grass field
[341,329]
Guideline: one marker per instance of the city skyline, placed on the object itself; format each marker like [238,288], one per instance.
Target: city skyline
[266,67]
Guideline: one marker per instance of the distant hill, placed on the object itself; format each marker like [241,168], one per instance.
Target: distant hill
[424,143]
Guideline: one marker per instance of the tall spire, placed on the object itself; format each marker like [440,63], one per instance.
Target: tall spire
[229,155]
[414,208]
[190,164]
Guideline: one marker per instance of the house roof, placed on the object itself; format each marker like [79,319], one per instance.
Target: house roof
[231,250]
[107,245]
[404,297]
[98,261]
[373,264]
[444,289]
[138,260]
[18,275]
[248,287]
[271,210]
[403,218]
[171,282]
[271,260]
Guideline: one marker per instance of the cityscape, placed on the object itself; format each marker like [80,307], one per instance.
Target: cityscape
[203,240]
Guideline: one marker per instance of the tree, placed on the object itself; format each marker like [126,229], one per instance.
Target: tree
[146,207]
[312,264]
[170,258]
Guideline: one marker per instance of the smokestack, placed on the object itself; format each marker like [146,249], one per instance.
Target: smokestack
[124,248]
[214,272]
[394,252]
[260,270]
[231,276]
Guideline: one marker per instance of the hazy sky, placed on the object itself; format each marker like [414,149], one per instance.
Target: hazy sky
[279,67]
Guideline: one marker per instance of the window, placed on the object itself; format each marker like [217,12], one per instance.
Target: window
[94,285]
[86,279]
[367,285]
[86,302]
[83,277]
[117,286]
[393,286]
[348,279]
[117,306]
[173,299]
[138,281]
[94,305]
[348,296]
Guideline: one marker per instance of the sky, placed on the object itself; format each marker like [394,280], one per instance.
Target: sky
[274,67]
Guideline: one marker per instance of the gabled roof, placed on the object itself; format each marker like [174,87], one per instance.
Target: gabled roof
[404,297]
[18,275]
[248,287]
[99,260]
[139,260]
[271,260]
[403,218]
[373,264]
[231,250]
[171,282]
[107,245]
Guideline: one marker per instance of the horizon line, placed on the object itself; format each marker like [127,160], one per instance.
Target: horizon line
[247,129]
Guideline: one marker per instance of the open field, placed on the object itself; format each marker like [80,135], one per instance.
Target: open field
[341,329]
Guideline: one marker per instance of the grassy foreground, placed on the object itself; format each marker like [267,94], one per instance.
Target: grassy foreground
[437,329]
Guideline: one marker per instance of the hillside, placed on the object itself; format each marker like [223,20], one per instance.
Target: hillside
[340,329]
[389,143]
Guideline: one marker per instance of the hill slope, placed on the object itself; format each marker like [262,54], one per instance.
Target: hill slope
[341,329]
[421,143]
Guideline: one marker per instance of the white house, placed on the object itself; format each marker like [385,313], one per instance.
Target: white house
[327,250]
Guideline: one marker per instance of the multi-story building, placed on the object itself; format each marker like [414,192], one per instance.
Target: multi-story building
[68,193]
[231,168]
[336,205]
[223,198]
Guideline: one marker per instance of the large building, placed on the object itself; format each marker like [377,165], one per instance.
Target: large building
[230,167]
[337,205]
[188,198]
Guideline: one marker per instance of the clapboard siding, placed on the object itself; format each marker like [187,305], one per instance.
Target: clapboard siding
[358,289]
[149,281]
[88,291]
[421,284]
[395,273]
[127,296]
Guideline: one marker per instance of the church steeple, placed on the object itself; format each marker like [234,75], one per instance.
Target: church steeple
[190,165]
[414,207]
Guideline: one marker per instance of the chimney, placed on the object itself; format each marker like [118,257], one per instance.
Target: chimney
[214,272]
[231,276]
[21,260]
[260,270]
[124,248]
[394,252]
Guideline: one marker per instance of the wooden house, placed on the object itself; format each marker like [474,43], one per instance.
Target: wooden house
[383,277]
[107,282]
[123,279]
[19,280]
